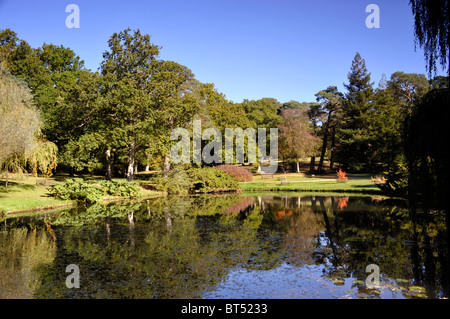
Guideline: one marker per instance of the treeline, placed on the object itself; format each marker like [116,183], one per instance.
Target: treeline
[119,118]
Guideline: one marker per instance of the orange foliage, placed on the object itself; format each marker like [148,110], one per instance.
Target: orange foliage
[341,176]
[343,201]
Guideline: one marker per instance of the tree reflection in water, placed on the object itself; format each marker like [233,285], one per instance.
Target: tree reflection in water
[193,247]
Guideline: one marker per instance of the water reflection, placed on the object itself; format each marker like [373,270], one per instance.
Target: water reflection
[228,246]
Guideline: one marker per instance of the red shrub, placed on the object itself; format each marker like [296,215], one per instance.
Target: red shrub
[238,173]
[341,176]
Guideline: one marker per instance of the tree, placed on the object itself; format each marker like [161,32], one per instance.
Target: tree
[145,98]
[431,25]
[297,139]
[221,112]
[426,152]
[331,100]
[262,112]
[128,69]
[175,104]
[316,118]
[386,125]
[407,89]
[20,125]
[51,72]
[355,145]
[8,44]
[439,82]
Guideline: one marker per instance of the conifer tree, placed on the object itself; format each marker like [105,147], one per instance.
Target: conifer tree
[355,140]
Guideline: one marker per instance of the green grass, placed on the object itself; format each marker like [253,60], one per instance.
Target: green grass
[24,195]
[359,183]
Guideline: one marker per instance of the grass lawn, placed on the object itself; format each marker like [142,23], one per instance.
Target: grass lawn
[24,195]
[360,183]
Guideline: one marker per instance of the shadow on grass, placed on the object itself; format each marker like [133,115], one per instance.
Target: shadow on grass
[14,186]
[365,186]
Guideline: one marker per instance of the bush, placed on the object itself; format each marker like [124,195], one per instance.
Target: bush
[396,181]
[93,191]
[177,182]
[341,176]
[238,173]
[209,179]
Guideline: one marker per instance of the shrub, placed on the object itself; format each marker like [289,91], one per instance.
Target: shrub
[195,180]
[209,179]
[396,181]
[238,173]
[93,191]
[177,181]
[341,176]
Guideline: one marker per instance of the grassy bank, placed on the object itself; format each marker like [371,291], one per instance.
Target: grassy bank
[23,195]
[28,194]
[358,183]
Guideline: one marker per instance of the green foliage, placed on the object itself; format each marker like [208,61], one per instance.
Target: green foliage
[176,182]
[218,110]
[431,21]
[395,182]
[195,180]
[354,134]
[426,149]
[209,179]
[263,112]
[93,191]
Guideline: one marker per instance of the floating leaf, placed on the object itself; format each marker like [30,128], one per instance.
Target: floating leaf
[338,281]
[349,292]
[402,280]
[417,289]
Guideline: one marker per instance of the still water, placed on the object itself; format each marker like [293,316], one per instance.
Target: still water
[229,246]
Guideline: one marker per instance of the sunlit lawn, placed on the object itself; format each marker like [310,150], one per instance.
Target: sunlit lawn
[299,182]
[24,194]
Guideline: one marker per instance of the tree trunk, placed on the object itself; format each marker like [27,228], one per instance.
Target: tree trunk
[298,167]
[333,142]
[312,164]
[131,227]
[6,181]
[130,171]
[324,145]
[168,220]
[108,165]
[166,166]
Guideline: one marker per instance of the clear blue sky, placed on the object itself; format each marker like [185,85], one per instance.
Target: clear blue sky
[288,50]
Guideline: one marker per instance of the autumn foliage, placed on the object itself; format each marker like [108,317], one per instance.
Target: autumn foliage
[238,173]
[341,176]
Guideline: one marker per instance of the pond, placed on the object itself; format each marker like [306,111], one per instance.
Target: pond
[228,246]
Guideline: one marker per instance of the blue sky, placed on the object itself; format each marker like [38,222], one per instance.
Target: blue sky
[249,49]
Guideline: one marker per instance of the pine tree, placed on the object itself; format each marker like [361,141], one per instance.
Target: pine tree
[355,141]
